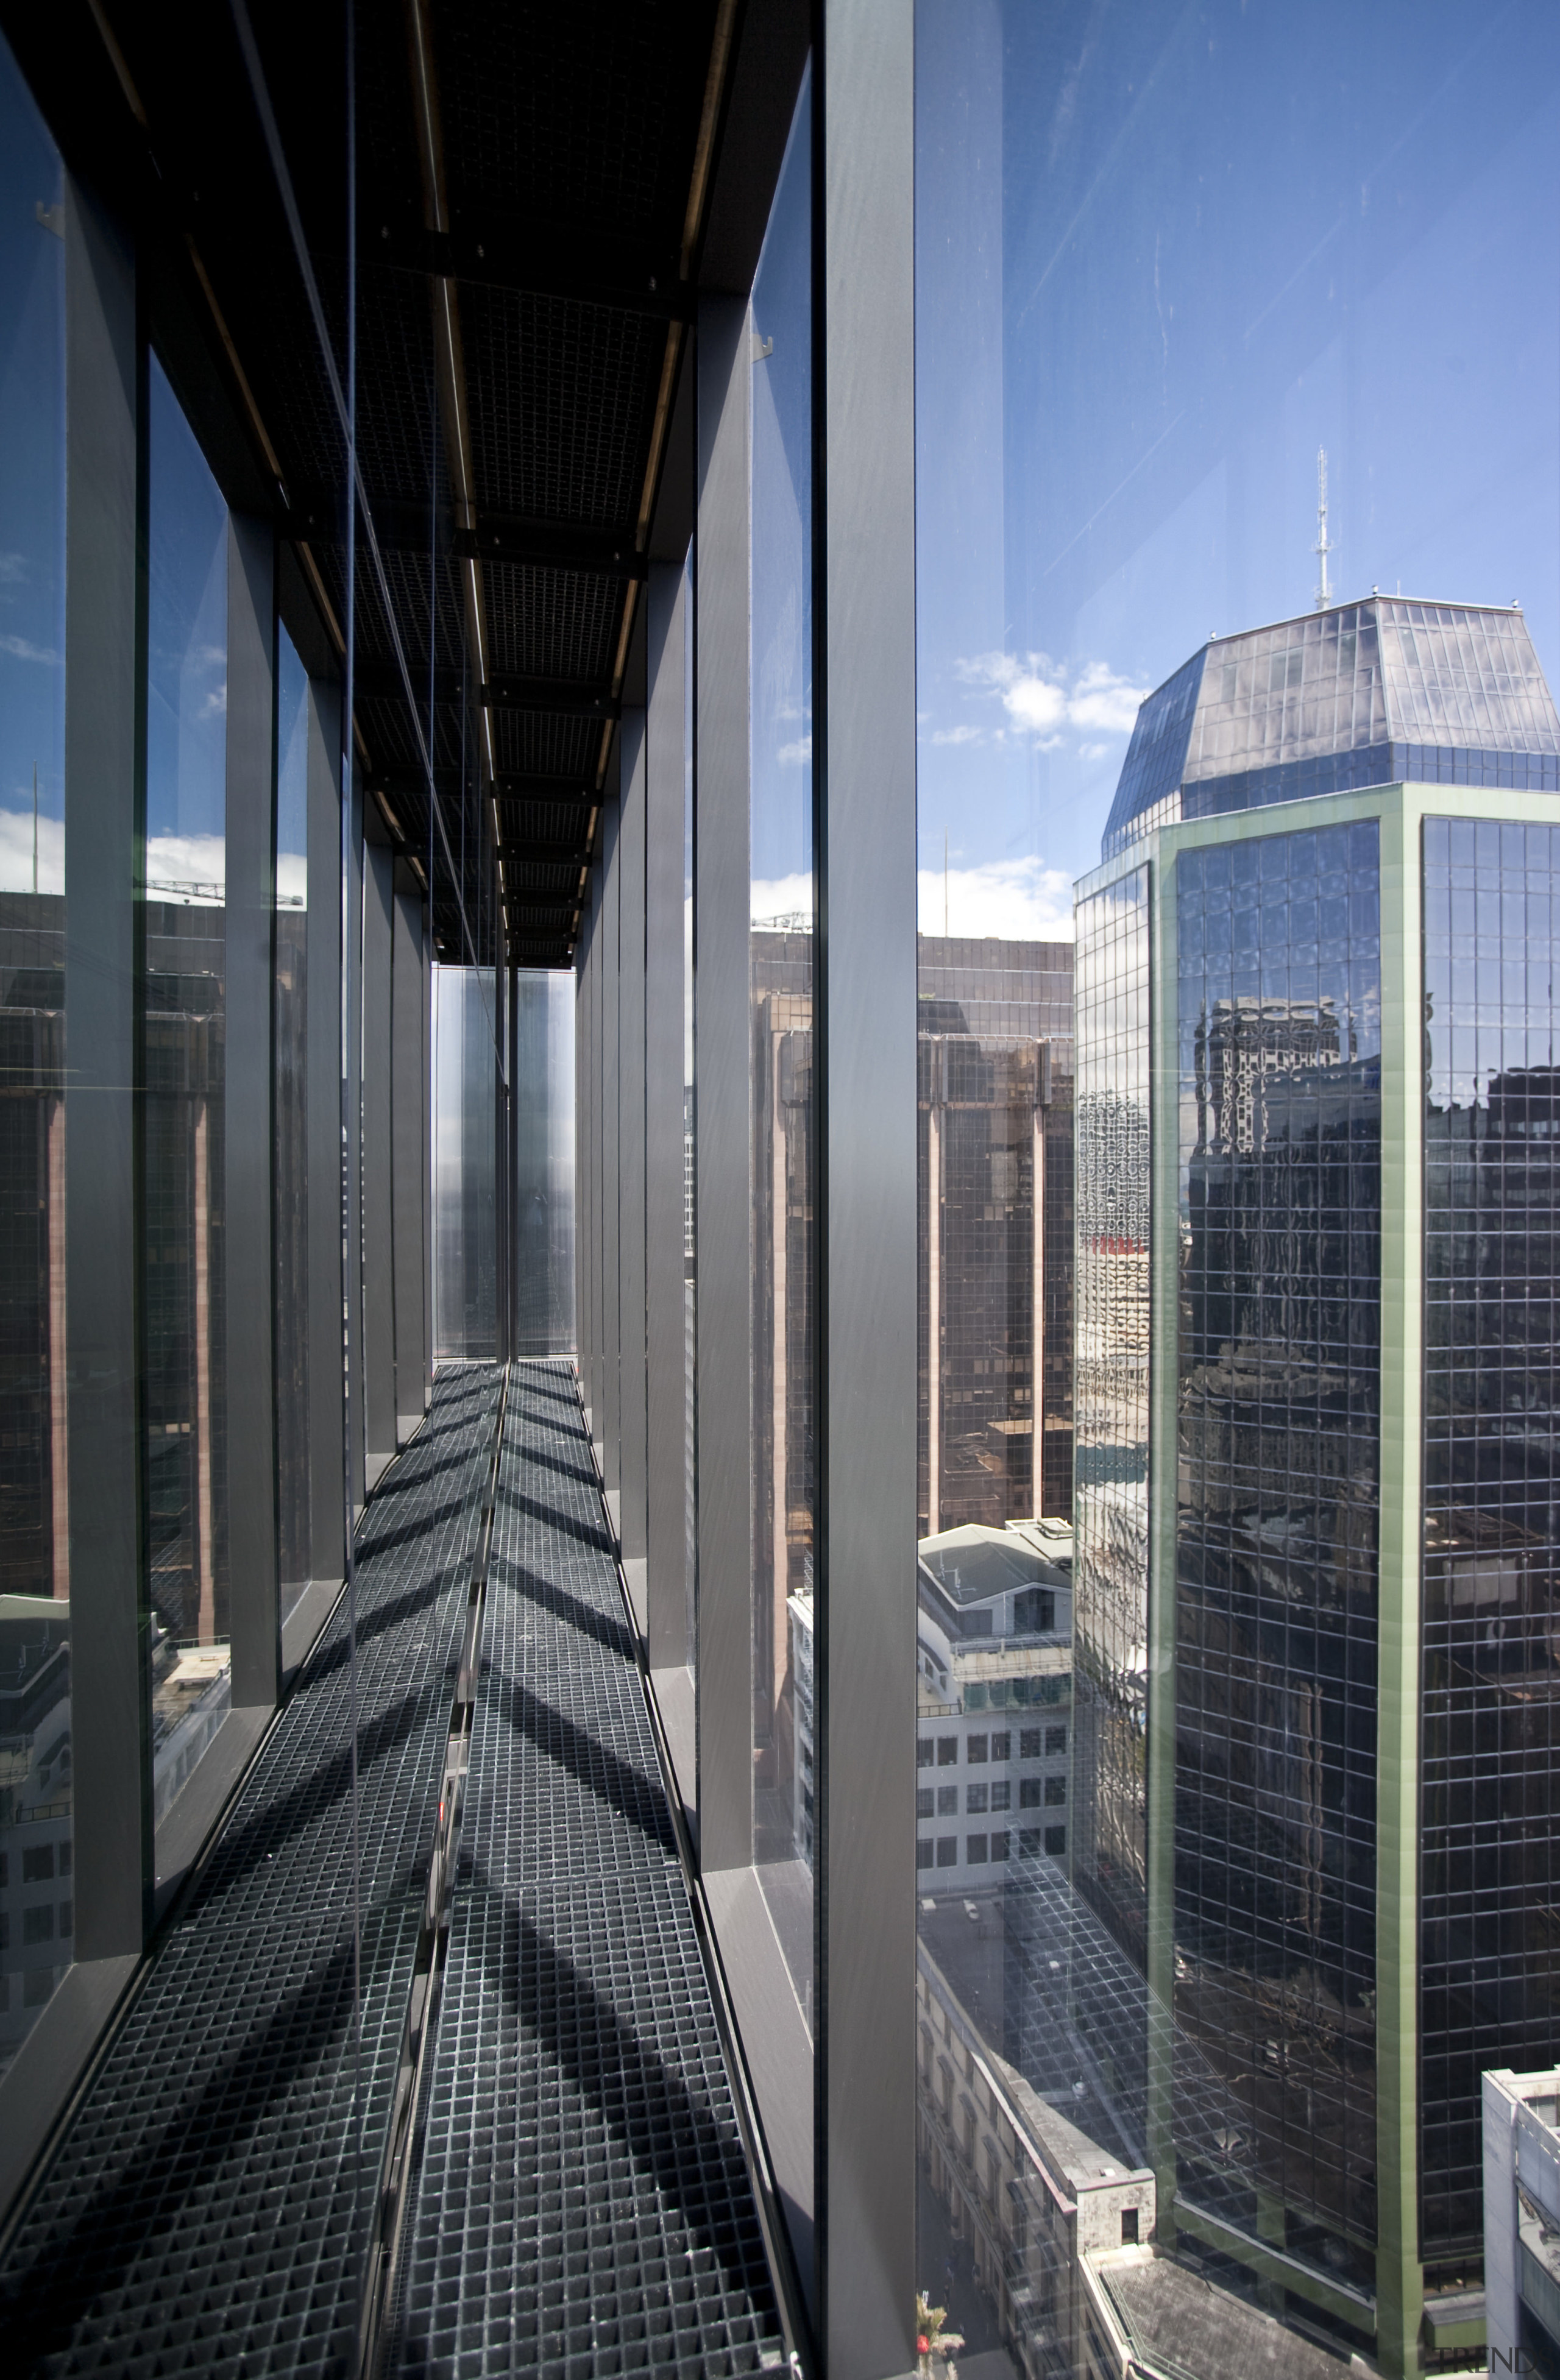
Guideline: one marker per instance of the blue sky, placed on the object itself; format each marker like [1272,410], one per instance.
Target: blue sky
[31,494]
[1161,256]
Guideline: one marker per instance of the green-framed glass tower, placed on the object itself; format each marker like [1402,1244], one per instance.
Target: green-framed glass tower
[1317,1406]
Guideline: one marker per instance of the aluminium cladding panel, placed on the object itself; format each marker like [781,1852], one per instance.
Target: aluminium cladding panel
[611,1142]
[428,1159]
[864,295]
[326,1513]
[409,1061]
[350,895]
[249,1238]
[722,905]
[378,1321]
[631,1130]
[103,814]
[665,1516]
[590,1129]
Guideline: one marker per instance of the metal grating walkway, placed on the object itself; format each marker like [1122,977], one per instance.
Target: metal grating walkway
[582,2207]
[207,2208]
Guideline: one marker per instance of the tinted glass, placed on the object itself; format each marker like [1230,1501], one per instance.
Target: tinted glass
[185,1401]
[36,1897]
[1232,510]
[290,1120]
[465,1309]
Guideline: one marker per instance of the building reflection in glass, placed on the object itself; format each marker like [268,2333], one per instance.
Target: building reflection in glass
[1111,1404]
[290,1120]
[184,1403]
[1489,1877]
[995,1230]
[1279,1010]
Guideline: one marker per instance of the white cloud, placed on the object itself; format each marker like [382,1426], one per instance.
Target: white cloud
[13,569]
[292,880]
[1043,698]
[187,867]
[216,703]
[1013,900]
[16,852]
[797,755]
[22,649]
[1106,703]
[780,896]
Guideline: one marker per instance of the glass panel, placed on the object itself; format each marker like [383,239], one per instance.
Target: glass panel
[465,1302]
[1207,530]
[544,1169]
[291,1121]
[1492,1529]
[36,1900]
[185,1401]
[782,912]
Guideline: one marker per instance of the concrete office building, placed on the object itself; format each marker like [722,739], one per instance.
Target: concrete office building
[1521,2299]
[1318,1374]
[993,1702]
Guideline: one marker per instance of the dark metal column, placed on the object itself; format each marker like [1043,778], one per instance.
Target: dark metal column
[630,1126]
[666,1533]
[611,1183]
[408,1066]
[379,1318]
[721,913]
[104,798]
[249,1238]
[328,1557]
[354,1152]
[864,738]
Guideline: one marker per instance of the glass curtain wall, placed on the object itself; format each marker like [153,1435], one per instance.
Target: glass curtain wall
[1237,493]
[783,1237]
[36,1902]
[291,1121]
[184,1403]
[465,1295]
[544,1191]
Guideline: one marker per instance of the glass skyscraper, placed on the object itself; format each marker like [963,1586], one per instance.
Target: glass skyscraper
[1316,1529]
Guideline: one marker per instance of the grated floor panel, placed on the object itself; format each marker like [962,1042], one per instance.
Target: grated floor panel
[582,2205]
[207,2209]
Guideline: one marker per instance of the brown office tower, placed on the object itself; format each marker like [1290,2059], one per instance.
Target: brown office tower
[996,1120]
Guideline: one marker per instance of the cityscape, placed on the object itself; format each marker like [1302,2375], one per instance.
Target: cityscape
[780,1190]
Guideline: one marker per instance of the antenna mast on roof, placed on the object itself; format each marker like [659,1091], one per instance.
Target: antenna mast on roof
[1323,545]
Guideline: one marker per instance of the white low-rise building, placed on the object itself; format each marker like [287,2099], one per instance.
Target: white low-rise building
[994,1700]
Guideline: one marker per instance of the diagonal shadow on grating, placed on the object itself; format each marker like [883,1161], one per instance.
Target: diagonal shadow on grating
[582,2206]
[207,2206]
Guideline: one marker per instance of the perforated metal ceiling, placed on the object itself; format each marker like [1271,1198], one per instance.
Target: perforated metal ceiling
[521,213]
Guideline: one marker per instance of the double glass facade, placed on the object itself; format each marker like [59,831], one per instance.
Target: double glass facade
[1047,1148]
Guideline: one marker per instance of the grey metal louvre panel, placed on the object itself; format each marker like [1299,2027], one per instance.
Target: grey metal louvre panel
[546,744]
[561,113]
[582,2203]
[549,623]
[559,392]
[206,2208]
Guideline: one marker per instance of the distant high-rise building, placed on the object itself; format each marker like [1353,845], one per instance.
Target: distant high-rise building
[995,1095]
[1318,1400]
